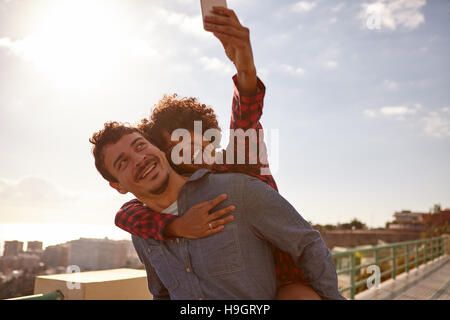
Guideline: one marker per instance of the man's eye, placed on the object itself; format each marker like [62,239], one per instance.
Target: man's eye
[141,146]
[121,163]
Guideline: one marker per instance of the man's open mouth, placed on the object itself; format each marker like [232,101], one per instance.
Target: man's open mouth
[146,169]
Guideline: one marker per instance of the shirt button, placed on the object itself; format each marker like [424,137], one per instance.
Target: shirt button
[149,250]
[188,270]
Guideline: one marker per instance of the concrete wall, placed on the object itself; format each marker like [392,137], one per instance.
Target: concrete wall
[115,284]
[365,237]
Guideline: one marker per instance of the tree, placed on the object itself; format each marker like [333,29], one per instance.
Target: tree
[355,224]
[436,209]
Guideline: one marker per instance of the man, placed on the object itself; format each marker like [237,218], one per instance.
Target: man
[236,263]
[172,113]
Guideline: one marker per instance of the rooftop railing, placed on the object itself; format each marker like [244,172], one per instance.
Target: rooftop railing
[351,265]
[57,295]
[392,260]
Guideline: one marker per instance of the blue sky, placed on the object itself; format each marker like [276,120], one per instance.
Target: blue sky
[362,109]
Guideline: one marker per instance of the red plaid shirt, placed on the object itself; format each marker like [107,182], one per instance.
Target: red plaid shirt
[138,219]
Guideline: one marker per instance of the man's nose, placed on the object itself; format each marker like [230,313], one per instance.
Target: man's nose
[138,160]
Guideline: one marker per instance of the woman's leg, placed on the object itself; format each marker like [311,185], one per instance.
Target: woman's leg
[297,291]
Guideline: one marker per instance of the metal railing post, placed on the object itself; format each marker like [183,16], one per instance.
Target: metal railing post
[407,258]
[425,260]
[352,276]
[394,262]
[417,255]
[432,249]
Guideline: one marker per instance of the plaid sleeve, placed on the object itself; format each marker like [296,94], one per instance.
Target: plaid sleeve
[139,220]
[246,110]
[246,144]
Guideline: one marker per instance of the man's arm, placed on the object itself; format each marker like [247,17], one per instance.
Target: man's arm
[274,219]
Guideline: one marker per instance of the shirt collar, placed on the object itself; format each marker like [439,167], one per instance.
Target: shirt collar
[197,175]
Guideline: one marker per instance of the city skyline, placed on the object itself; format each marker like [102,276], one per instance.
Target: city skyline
[116,234]
[357,91]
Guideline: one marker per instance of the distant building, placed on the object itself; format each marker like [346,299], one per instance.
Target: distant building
[34,246]
[56,256]
[441,218]
[19,262]
[12,248]
[99,254]
[408,217]
[407,220]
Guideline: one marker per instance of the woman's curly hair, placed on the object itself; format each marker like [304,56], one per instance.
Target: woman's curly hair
[171,113]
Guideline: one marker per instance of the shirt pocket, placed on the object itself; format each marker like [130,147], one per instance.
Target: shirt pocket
[159,262]
[221,253]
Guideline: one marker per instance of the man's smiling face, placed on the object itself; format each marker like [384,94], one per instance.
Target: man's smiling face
[139,167]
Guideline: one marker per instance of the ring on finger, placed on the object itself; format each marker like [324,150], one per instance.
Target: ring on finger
[210,226]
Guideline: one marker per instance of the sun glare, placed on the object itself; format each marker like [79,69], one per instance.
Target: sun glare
[76,42]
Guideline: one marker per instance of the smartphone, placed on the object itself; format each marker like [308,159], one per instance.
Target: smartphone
[207,6]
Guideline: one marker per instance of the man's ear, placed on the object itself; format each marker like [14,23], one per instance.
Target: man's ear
[118,187]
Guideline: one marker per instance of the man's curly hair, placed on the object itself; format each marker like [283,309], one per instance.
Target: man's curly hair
[171,113]
[111,133]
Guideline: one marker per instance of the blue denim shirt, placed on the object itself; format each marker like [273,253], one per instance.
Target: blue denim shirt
[236,263]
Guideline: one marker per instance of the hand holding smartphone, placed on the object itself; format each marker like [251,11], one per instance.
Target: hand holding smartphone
[207,6]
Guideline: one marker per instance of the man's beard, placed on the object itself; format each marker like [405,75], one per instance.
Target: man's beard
[162,187]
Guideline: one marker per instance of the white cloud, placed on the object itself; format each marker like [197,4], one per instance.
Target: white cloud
[192,25]
[33,190]
[392,14]
[390,85]
[141,48]
[338,7]
[303,6]
[437,123]
[434,123]
[332,20]
[215,64]
[399,112]
[370,113]
[292,70]
[331,64]
[263,72]
[5,42]
[18,47]
[394,112]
